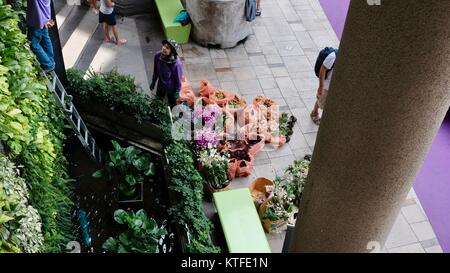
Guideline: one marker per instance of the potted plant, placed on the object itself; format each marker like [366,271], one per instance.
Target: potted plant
[259,190]
[277,209]
[133,168]
[214,169]
[141,236]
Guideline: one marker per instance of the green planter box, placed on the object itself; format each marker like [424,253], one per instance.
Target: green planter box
[168,10]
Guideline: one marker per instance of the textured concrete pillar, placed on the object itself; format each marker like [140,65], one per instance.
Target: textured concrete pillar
[219,23]
[388,97]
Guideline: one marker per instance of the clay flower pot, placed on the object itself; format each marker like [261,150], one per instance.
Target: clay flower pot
[259,191]
[269,226]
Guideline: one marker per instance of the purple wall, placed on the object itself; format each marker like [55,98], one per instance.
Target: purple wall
[432,184]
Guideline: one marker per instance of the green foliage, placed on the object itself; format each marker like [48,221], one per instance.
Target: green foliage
[188,184]
[119,93]
[295,179]
[23,225]
[286,124]
[132,165]
[280,206]
[185,179]
[142,235]
[32,127]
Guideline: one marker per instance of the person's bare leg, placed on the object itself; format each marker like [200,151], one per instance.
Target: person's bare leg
[116,35]
[106,32]
[258,7]
[315,114]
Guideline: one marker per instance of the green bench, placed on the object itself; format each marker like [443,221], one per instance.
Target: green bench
[168,11]
[240,222]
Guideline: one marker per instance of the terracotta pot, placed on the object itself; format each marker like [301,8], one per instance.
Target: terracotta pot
[244,167]
[258,190]
[221,102]
[206,89]
[232,167]
[269,225]
[256,148]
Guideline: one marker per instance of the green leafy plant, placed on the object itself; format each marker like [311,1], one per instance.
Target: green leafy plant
[187,183]
[142,234]
[279,205]
[295,179]
[23,226]
[32,127]
[215,168]
[132,165]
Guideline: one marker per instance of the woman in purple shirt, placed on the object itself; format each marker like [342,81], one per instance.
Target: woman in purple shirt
[39,21]
[168,71]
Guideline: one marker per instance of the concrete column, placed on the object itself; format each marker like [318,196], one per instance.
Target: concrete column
[389,95]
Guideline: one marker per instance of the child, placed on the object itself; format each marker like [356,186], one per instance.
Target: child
[107,17]
[168,71]
[324,85]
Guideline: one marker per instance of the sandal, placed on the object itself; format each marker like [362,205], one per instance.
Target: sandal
[258,12]
[315,118]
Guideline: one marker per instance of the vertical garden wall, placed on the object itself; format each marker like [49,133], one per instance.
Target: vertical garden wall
[31,127]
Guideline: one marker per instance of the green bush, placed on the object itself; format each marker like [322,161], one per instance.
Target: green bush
[142,234]
[188,184]
[116,92]
[32,127]
[20,223]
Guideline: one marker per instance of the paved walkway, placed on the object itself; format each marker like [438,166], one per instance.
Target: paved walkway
[276,60]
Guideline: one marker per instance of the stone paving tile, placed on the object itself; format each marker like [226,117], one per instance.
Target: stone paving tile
[235,63]
[401,234]
[258,60]
[274,93]
[279,71]
[311,138]
[289,48]
[429,243]
[434,249]
[413,214]
[304,120]
[423,231]
[221,63]
[217,53]
[230,86]
[201,71]
[299,154]
[297,27]
[192,50]
[413,248]
[236,53]
[265,171]
[243,182]
[297,64]
[276,245]
[251,45]
[244,73]
[281,163]
[262,71]
[249,87]
[298,140]
[285,150]
[287,87]
[262,35]
[273,58]
[306,84]
[294,102]
[225,76]
[268,83]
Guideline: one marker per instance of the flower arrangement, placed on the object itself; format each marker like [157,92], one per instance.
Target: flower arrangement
[205,137]
[214,167]
[279,206]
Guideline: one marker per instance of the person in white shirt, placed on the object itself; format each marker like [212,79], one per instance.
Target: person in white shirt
[324,85]
[107,17]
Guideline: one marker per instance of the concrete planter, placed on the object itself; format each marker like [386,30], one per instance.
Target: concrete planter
[218,23]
